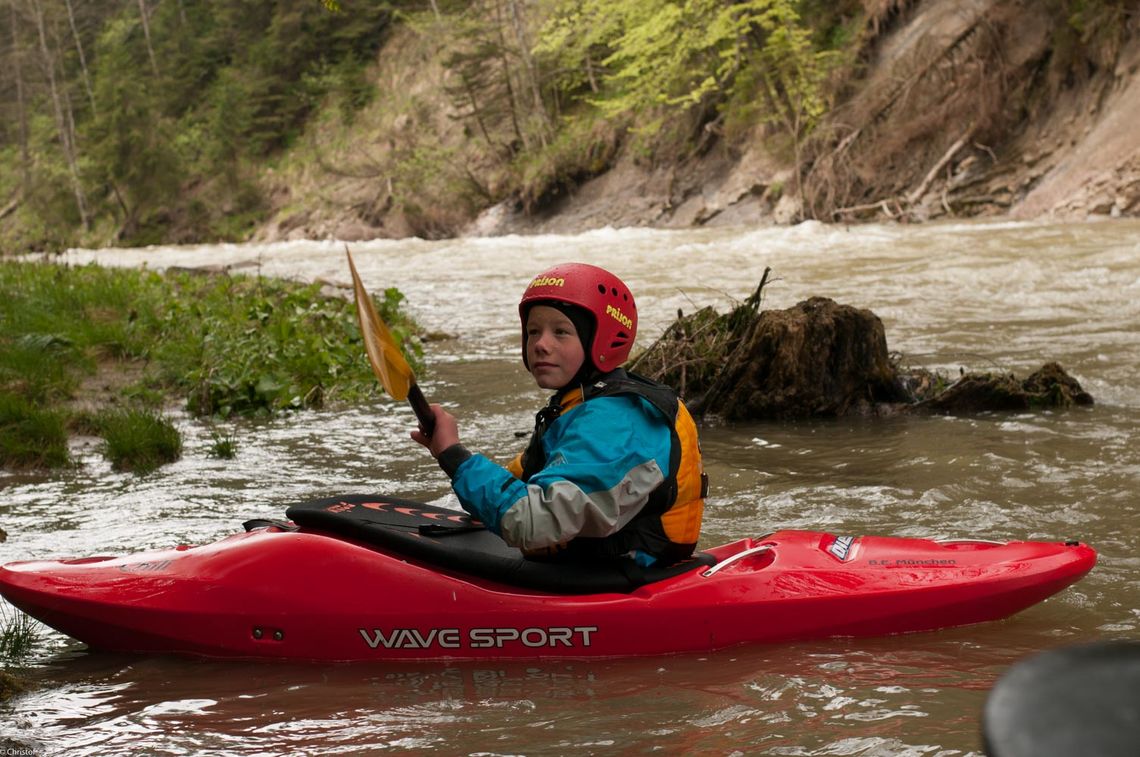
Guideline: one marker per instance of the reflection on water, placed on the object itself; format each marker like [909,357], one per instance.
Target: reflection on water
[779,700]
[985,297]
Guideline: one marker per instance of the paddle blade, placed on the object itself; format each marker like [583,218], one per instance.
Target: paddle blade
[387,361]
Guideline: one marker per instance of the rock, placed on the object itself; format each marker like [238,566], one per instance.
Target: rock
[354,230]
[10,685]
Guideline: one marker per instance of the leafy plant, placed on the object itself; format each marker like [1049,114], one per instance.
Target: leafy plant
[261,346]
[656,60]
[229,345]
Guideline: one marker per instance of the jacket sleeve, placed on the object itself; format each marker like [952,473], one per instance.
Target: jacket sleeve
[604,458]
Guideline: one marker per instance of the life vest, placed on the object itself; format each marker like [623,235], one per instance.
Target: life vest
[669,523]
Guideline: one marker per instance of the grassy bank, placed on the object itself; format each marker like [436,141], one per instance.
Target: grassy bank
[103,351]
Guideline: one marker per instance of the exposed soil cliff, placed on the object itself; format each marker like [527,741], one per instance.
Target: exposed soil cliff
[960,109]
[986,107]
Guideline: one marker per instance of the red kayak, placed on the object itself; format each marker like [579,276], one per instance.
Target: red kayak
[377,578]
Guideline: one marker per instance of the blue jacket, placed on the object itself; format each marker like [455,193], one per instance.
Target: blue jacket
[602,460]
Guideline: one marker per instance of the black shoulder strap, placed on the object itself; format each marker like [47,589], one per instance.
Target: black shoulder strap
[620,381]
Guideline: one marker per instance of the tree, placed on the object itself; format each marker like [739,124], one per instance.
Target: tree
[660,57]
[82,56]
[16,56]
[791,75]
[132,143]
[144,19]
[497,77]
[65,125]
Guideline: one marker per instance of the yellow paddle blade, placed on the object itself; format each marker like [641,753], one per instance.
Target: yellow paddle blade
[388,362]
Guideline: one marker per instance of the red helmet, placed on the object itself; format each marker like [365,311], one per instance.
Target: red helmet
[597,291]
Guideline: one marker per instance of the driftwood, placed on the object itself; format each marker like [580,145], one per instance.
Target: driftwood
[1048,387]
[823,359]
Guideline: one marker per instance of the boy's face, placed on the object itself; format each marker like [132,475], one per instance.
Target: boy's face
[553,350]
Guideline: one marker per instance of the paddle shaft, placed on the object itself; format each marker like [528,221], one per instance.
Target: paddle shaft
[423,411]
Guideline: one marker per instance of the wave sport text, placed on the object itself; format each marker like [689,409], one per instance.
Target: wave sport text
[477,638]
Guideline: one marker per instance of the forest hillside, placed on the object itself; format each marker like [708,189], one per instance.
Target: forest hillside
[130,122]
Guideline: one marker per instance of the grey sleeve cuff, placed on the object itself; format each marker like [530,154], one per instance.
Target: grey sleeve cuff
[452,457]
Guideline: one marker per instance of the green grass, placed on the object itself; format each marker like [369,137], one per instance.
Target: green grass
[223,345]
[18,634]
[31,437]
[223,446]
[139,440]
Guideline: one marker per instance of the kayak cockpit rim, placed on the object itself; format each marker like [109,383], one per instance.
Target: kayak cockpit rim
[734,558]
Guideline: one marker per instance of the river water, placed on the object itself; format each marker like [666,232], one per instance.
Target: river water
[979,296]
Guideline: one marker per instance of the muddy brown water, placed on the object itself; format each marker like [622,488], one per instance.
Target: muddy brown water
[977,296]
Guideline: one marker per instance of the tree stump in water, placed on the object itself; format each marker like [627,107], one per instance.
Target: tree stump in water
[822,359]
[818,358]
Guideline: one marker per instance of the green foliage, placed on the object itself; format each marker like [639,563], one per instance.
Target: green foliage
[74,315]
[344,83]
[258,346]
[788,73]
[584,148]
[138,440]
[657,59]
[423,173]
[223,446]
[35,366]
[483,88]
[30,436]
[180,120]
[229,345]
[18,636]
[131,141]
[575,40]
[176,117]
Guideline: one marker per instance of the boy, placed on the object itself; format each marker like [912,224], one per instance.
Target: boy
[613,469]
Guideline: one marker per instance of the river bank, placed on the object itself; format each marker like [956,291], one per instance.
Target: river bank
[986,109]
[496,117]
[103,352]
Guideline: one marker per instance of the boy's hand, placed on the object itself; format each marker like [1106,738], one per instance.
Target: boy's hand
[446,432]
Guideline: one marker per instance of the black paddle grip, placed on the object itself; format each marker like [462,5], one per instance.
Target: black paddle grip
[423,411]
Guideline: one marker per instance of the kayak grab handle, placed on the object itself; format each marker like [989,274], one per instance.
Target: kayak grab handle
[968,540]
[738,556]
